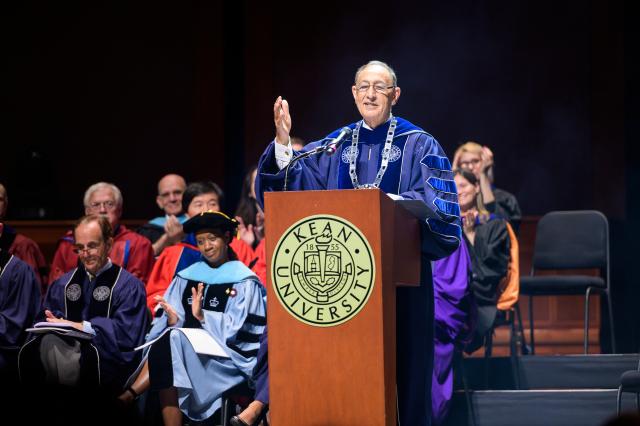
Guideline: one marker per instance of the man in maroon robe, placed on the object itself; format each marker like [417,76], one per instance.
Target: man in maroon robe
[21,246]
[130,250]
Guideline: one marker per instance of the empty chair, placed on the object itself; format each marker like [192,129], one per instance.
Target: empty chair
[629,382]
[570,240]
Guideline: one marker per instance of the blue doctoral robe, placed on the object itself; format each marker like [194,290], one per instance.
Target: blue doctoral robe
[116,335]
[154,229]
[202,379]
[19,304]
[418,169]
[160,221]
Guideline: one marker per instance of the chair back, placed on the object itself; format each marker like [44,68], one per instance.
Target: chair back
[572,240]
[509,286]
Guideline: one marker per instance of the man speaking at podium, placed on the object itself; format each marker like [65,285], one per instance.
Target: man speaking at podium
[386,152]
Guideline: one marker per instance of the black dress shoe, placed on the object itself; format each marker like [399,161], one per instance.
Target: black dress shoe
[237,421]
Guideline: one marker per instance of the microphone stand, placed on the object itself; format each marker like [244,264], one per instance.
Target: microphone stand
[317,150]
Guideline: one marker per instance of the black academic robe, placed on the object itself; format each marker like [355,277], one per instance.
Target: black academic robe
[506,206]
[114,304]
[489,262]
[19,304]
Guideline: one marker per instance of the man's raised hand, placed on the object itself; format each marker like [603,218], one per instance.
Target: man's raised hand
[282,120]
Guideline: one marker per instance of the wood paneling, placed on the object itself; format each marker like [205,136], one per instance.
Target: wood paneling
[47,232]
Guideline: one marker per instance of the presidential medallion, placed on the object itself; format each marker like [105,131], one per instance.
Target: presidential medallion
[323,270]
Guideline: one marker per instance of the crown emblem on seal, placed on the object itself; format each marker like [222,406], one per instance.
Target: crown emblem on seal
[323,270]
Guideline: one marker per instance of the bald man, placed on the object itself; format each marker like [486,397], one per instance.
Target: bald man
[164,231]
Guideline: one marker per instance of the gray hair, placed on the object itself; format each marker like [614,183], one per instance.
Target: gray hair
[394,79]
[103,185]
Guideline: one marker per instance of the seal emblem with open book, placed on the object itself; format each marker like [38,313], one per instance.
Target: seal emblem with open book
[323,270]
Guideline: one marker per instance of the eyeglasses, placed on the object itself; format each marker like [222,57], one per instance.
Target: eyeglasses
[90,248]
[167,194]
[380,88]
[108,205]
[467,164]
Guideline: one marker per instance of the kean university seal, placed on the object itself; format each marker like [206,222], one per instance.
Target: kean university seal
[323,270]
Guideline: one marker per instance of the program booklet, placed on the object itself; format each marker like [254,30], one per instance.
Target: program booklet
[61,328]
[203,343]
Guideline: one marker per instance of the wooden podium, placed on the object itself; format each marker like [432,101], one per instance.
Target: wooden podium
[341,374]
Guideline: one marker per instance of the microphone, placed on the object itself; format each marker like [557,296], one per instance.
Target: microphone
[329,149]
[294,160]
[332,146]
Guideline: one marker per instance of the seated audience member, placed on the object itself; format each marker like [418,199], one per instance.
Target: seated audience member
[259,263]
[250,219]
[131,251]
[197,198]
[98,298]
[165,231]
[19,304]
[455,313]
[220,295]
[478,160]
[249,214]
[487,240]
[22,247]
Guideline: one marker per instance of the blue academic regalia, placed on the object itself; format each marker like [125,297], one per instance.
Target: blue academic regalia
[418,169]
[118,329]
[160,221]
[234,308]
[154,229]
[19,304]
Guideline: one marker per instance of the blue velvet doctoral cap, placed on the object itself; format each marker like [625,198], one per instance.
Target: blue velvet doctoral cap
[210,220]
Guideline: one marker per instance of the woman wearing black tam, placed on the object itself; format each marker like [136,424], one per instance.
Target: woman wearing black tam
[219,295]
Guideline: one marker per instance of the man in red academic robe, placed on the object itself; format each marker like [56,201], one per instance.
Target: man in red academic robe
[22,247]
[130,250]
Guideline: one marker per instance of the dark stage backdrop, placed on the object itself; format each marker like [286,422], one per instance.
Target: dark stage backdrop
[539,82]
[128,92]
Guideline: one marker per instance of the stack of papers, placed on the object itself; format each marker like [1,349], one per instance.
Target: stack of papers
[61,328]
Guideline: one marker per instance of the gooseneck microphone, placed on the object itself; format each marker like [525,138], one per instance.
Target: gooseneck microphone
[294,160]
[331,147]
